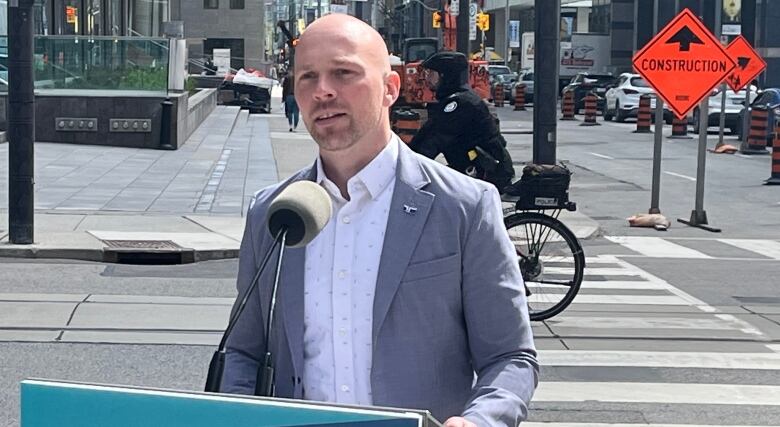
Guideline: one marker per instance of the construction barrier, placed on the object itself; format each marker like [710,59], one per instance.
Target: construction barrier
[591,109]
[498,95]
[679,128]
[567,105]
[644,117]
[756,140]
[406,123]
[774,178]
[520,97]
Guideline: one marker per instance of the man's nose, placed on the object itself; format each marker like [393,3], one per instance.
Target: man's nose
[324,89]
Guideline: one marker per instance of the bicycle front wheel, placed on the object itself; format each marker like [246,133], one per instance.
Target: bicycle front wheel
[551,261]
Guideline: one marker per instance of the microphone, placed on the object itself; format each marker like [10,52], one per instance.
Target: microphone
[303,209]
[295,217]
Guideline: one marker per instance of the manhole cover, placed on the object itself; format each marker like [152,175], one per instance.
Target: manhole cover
[141,244]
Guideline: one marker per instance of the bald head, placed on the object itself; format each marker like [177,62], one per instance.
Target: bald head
[342,28]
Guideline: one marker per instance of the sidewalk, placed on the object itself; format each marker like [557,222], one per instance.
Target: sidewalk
[109,204]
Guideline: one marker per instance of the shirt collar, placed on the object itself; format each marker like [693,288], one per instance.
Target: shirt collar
[375,176]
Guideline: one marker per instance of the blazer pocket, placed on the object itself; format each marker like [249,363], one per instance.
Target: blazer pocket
[432,268]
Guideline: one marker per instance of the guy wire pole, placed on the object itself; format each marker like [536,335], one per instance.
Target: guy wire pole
[21,122]
[547,45]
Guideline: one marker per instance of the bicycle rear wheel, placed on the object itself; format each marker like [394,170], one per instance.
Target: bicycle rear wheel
[551,261]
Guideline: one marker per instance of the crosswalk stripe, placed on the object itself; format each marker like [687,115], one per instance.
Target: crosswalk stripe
[607,271]
[674,393]
[621,285]
[616,299]
[660,359]
[657,247]
[654,323]
[701,305]
[767,248]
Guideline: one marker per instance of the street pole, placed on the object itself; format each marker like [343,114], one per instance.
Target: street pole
[699,215]
[463,28]
[545,113]
[507,52]
[722,122]
[655,191]
[21,122]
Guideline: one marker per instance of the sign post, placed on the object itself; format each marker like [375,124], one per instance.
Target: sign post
[683,63]
[749,66]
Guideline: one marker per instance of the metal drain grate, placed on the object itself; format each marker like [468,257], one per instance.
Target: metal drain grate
[141,244]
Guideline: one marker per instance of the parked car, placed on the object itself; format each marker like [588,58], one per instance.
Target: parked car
[495,70]
[526,78]
[584,83]
[622,98]
[769,99]
[508,80]
[735,102]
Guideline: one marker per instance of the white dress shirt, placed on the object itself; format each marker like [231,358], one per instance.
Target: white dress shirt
[340,278]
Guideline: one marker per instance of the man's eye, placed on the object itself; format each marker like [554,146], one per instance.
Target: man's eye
[343,72]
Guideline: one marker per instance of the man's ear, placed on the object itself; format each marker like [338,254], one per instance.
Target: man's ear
[392,88]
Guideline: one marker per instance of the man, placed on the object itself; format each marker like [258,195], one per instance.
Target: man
[460,125]
[411,288]
[288,98]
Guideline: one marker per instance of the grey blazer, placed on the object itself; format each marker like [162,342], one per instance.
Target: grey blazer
[449,303]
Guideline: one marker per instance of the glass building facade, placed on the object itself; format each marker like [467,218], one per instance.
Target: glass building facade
[95,17]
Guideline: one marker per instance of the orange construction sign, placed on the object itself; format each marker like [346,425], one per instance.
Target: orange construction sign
[749,63]
[683,63]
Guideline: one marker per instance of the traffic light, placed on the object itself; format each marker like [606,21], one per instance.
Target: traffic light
[436,19]
[483,21]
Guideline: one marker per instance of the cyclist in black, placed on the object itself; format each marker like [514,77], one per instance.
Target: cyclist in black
[460,126]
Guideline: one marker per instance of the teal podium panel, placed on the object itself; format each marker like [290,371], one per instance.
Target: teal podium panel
[66,404]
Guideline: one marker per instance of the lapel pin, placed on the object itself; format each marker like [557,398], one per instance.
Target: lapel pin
[410,209]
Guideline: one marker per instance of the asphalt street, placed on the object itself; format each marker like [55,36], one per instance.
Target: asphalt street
[675,327]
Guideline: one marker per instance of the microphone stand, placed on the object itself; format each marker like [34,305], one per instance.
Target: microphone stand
[264,384]
[217,364]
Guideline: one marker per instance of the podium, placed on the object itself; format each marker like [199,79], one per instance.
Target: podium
[68,404]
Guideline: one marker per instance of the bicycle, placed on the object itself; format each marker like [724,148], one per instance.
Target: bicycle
[551,258]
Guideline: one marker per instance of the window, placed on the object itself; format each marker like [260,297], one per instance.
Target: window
[236,4]
[211,4]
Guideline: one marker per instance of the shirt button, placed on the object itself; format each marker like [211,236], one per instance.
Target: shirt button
[342,331]
[345,220]
[344,388]
[342,274]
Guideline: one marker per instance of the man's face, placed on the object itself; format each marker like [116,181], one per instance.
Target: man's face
[432,79]
[342,92]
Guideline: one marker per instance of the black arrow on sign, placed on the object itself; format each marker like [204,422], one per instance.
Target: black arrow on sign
[743,62]
[685,38]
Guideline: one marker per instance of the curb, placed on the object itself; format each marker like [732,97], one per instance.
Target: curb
[119,255]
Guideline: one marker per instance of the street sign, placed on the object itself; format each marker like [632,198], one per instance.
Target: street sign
[749,63]
[455,7]
[683,63]
[514,33]
[473,8]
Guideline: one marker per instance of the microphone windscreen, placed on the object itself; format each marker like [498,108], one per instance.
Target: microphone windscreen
[304,208]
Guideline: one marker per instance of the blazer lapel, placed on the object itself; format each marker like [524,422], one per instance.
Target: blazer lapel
[409,210]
